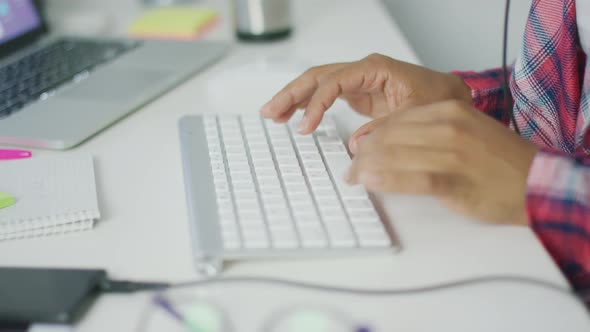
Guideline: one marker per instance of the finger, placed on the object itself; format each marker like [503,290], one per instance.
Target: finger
[362,131]
[404,158]
[405,182]
[362,103]
[297,91]
[354,78]
[449,135]
[449,110]
[286,116]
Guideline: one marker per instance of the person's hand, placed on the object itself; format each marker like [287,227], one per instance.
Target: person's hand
[373,86]
[474,164]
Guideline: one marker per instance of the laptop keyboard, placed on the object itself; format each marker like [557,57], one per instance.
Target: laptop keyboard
[33,75]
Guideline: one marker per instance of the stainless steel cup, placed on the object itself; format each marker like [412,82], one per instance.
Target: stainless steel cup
[262,19]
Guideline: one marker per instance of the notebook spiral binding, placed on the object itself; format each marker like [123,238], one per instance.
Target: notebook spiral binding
[49,225]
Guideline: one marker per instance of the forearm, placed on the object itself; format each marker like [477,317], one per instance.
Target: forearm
[558,204]
[487,93]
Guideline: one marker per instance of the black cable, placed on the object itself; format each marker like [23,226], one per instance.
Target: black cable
[125,286]
[505,84]
[111,286]
[383,292]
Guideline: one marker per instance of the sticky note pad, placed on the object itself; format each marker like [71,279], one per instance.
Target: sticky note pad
[6,200]
[173,23]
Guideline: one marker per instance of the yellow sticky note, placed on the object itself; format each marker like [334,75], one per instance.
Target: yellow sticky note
[173,23]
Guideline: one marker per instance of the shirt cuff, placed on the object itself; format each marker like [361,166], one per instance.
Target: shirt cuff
[558,207]
[487,94]
[544,179]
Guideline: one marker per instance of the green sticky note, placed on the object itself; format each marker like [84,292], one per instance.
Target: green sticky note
[173,22]
[6,200]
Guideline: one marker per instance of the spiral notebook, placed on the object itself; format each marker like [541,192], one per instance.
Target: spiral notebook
[53,196]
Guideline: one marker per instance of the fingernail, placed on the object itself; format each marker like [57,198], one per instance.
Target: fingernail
[348,176]
[355,143]
[303,125]
[264,109]
[353,146]
[370,180]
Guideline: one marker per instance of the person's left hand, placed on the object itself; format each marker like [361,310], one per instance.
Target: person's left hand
[473,163]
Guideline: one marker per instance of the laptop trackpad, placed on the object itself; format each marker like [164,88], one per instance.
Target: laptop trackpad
[117,84]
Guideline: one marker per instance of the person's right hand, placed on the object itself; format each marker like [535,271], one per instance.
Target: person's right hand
[373,86]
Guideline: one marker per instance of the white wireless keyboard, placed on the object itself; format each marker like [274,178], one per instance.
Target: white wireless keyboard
[258,189]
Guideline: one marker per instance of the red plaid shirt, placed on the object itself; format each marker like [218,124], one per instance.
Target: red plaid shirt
[550,85]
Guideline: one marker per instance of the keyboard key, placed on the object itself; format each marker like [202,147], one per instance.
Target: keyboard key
[284,238]
[280,142]
[293,179]
[276,211]
[328,192]
[307,220]
[291,170]
[319,184]
[374,239]
[317,175]
[257,148]
[338,167]
[337,149]
[276,201]
[314,165]
[301,140]
[309,157]
[231,243]
[328,202]
[227,217]
[323,140]
[363,215]
[308,148]
[223,196]
[271,191]
[341,236]
[280,222]
[312,236]
[296,187]
[358,204]
[221,187]
[230,230]
[225,220]
[255,239]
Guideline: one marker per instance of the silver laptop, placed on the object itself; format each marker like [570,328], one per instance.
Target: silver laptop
[56,92]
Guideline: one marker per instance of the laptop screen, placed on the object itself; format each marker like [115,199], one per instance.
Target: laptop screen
[17,17]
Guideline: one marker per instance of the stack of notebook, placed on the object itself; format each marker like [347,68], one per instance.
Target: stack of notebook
[52,196]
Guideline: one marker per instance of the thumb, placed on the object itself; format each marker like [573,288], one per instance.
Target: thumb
[364,130]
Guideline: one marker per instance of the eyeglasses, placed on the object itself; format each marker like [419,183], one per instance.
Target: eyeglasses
[190,307]
[188,313]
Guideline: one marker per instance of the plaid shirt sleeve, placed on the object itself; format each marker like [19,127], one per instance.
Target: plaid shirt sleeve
[558,189]
[486,92]
[558,203]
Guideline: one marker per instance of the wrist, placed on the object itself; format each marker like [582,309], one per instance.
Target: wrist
[460,90]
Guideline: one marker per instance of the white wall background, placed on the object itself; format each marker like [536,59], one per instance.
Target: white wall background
[460,34]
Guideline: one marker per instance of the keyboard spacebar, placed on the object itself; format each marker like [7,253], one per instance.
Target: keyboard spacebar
[338,165]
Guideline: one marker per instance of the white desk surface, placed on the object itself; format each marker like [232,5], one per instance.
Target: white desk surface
[143,233]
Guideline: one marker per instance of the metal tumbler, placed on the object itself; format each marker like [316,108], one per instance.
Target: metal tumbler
[262,20]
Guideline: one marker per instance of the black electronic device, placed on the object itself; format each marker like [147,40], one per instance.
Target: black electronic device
[47,295]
